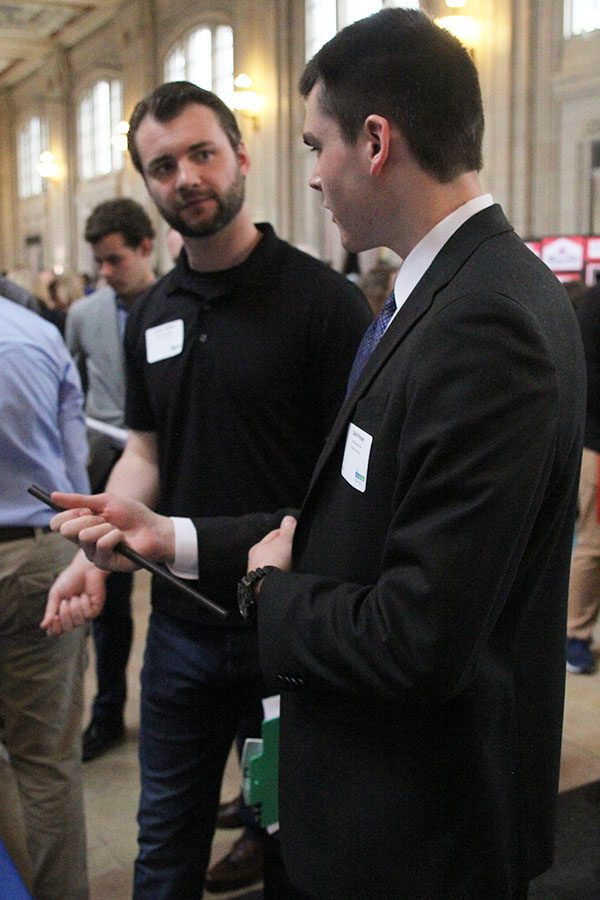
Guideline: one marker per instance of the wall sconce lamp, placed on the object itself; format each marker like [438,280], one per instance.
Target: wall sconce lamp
[245,99]
[466,28]
[119,140]
[47,166]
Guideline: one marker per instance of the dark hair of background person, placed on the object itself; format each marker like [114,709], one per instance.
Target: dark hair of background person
[351,264]
[119,216]
[398,64]
[168,101]
[576,290]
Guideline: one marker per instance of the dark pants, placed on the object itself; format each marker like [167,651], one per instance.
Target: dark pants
[113,629]
[198,683]
[113,635]
[276,884]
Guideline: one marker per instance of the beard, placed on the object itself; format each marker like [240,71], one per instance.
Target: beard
[227,207]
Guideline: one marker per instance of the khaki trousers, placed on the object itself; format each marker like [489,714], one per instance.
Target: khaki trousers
[584,585]
[41,700]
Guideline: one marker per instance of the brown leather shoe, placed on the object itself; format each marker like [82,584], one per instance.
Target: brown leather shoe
[228,814]
[241,867]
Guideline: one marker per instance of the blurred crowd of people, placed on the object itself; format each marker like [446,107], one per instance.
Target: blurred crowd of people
[47,292]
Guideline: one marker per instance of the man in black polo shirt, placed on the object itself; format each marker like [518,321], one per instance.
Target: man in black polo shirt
[236,363]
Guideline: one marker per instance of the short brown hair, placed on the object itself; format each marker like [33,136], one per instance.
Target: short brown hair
[167,101]
[119,216]
[398,64]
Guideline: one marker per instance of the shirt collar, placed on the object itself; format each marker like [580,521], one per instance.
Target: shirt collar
[258,269]
[422,255]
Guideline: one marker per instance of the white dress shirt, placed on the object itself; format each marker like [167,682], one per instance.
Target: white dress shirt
[423,254]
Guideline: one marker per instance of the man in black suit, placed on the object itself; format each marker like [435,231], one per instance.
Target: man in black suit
[415,621]
[419,638]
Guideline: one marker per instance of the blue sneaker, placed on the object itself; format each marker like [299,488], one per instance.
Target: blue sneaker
[579,657]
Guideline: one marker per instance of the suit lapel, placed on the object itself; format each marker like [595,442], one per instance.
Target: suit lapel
[453,255]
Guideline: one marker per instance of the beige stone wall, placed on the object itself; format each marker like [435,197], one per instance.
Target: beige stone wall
[541,97]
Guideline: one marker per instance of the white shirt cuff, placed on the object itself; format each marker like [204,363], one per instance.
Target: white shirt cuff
[185,564]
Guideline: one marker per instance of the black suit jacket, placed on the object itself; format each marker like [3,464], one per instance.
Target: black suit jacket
[419,641]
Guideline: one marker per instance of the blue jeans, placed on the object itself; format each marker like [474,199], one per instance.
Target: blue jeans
[198,682]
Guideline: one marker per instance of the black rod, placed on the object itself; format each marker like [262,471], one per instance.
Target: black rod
[157,570]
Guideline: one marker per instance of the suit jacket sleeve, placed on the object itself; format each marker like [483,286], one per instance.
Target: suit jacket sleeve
[73,342]
[224,541]
[473,414]
[73,332]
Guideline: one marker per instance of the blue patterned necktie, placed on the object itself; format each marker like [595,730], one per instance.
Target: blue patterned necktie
[370,339]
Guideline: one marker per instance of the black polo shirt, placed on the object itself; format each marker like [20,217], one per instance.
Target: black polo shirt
[240,374]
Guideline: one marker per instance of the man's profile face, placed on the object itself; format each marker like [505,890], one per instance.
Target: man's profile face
[340,174]
[126,269]
[192,172]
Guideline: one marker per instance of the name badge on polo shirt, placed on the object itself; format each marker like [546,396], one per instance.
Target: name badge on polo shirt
[355,463]
[164,341]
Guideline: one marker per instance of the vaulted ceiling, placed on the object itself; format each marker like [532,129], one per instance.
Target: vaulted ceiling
[30,31]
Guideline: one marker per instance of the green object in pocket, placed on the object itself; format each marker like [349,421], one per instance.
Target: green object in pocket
[260,773]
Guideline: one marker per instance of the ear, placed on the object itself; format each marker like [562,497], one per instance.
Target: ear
[377,131]
[243,158]
[146,246]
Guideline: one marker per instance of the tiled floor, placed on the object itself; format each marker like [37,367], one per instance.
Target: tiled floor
[581,736]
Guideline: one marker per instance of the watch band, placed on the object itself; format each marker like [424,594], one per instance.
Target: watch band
[246,593]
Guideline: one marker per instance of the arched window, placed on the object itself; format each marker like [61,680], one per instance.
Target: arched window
[32,139]
[100,111]
[205,57]
[324,18]
[581,16]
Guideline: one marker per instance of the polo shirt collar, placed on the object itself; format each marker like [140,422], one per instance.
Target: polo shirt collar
[256,270]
